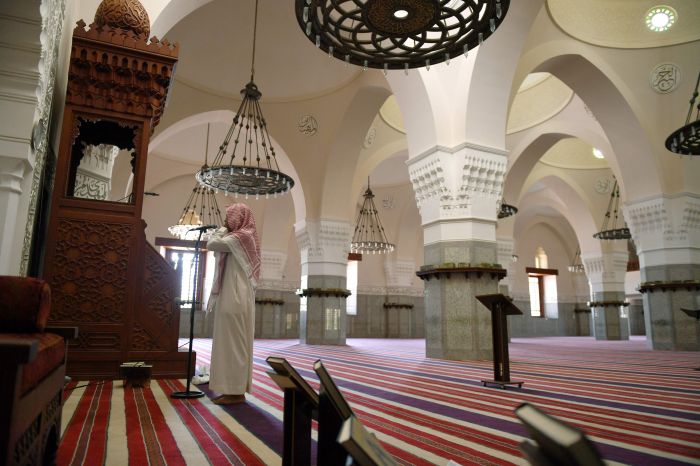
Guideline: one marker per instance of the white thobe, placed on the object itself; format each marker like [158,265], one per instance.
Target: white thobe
[234,319]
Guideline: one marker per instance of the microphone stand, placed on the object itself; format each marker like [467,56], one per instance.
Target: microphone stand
[192,393]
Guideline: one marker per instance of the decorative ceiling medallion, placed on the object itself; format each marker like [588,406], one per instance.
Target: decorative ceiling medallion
[665,78]
[603,185]
[370,137]
[308,125]
[399,34]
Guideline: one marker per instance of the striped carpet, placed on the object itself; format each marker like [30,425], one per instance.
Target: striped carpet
[639,406]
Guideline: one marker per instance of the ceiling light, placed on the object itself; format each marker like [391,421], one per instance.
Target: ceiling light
[398,34]
[613,226]
[597,153]
[369,236]
[660,18]
[686,139]
[200,207]
[256,172]
[400,14]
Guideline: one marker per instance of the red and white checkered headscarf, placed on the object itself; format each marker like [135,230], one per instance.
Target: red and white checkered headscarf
[241,225]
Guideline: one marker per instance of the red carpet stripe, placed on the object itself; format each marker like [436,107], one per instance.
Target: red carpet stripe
[148,437]
[84,441]
[218,444]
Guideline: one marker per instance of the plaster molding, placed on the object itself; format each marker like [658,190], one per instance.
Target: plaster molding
[52,19]
[371,290]
[606,272]
[461,184]
[278,285]
[272,264]
[324,240]
[664,227]
[399,273]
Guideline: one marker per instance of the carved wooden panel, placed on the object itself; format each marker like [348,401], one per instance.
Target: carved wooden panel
[94,253]
[96,341]
[157,319]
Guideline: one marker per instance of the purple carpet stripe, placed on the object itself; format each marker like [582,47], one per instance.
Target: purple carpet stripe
[521,376]
[632,415]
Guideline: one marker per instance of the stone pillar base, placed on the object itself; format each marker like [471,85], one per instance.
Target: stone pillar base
[610,318]
[457,326]
[322,311]
[667,289]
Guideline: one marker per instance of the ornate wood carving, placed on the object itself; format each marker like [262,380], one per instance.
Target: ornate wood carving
[96,253]
[105,278]
[124,14]
[115,69]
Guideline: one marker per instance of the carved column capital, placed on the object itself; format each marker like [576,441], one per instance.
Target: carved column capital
[272,266]
[458,185]
[323,245]
[665,229]
[606,272]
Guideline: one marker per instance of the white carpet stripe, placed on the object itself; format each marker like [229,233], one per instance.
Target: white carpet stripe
[493,415]
[70,405]
[446,437]
[265,453]
[482,396]
[116,454]
[189,448]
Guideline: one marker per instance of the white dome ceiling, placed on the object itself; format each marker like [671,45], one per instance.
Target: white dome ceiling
[216,43]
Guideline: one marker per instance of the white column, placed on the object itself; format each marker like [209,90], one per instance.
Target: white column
[606,277]
[323,245]
[666,233]
[457,191]
[93,178]
[12,174]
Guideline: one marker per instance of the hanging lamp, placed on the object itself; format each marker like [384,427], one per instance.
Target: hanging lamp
[612,228]
[201,207]
[369,236]
[251,167]
[576,265]
[686,140]
[506,210]
[399,34]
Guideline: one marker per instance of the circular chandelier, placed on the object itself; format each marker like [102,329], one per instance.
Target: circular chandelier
[251,166]
[399,34]
[577,265]
[201,205]
[369,236]
[686,140]
[506,210]
[611,230]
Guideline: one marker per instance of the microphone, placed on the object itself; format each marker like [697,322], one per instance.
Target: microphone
[204,228]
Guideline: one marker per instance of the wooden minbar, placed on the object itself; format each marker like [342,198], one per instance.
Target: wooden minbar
[500,307]
[105,277]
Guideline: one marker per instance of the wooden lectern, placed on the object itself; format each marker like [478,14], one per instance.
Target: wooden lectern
[300,407]
[500,307]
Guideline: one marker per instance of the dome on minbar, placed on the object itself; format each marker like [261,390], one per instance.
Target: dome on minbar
[124,14]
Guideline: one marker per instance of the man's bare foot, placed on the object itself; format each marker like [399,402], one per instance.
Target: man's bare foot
[229,399]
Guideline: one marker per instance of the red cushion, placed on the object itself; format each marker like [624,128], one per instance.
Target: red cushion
[50,355]
[25,303]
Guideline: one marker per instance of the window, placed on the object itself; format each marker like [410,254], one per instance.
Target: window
[351,301]
[180,254]
[542,285]
[536,286]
